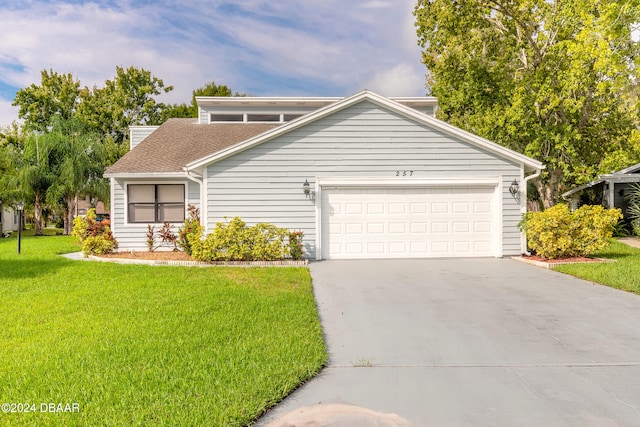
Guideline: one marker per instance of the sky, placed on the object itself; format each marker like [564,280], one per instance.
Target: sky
[257,47]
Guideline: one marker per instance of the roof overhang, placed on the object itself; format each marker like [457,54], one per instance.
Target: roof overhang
[529,164]
[169,175]
[316,102]
[618,177]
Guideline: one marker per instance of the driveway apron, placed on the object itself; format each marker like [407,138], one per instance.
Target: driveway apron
[471,342]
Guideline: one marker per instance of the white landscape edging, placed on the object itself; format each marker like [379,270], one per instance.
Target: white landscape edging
[280,263]
[549,265]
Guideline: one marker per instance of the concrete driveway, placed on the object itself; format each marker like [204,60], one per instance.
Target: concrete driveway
[477,342]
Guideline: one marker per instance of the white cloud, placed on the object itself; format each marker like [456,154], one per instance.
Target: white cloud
[8,113]
[401,80]
[284,48]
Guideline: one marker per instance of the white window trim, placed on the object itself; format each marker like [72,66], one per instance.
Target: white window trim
[245,116]
[126,222]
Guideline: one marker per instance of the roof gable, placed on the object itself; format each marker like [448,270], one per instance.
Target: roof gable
[408,112]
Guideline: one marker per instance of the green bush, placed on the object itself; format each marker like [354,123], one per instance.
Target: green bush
[235,241]
[558,233]
[191,232]
[99,245]
[95,236]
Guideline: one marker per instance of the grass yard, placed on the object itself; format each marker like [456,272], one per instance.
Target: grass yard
[137,345]
[623,274]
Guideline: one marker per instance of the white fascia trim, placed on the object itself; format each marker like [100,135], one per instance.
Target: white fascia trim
[630,169]
[274,101]
[112,196]
[129,175]
[381,101]
[407,182]
[621,178]
[498,209]
[318,209]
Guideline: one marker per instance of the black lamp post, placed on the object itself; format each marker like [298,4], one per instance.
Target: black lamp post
[20,209]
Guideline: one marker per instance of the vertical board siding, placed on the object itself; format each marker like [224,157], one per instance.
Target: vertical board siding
[264,183]
[132,237]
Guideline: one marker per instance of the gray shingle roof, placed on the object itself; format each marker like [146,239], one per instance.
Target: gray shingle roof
[180,141]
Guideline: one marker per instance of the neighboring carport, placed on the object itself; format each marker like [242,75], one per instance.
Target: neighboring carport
[473,342]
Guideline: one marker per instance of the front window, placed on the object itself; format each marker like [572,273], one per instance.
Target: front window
[156,203]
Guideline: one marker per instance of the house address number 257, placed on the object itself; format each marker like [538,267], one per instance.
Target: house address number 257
[404,173]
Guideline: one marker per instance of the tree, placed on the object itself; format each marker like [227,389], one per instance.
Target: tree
[11,142]
[125,101]
[35,173]
[78,167]
[552,79]
[187,111]
[57,95]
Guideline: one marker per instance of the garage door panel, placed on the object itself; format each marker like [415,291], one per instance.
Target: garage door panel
[460,227]
[407,222]
[375,209]
[439,227]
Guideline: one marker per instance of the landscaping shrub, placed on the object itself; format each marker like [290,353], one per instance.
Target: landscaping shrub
[295,244]
[95,236]
[557,232]
[235,241]
[166,236]
[191,231]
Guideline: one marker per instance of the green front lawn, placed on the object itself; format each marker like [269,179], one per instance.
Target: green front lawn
[142,345]
[624,273]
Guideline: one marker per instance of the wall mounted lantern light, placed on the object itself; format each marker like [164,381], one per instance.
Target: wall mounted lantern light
[306,188]
[514,188]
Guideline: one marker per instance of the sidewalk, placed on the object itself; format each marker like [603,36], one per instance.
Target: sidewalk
[631,241]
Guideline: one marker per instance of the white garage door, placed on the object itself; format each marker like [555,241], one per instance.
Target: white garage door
[408,222]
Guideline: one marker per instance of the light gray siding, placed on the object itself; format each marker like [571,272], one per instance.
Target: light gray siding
[138,133]
[8,219]
[264,183]
[132,237]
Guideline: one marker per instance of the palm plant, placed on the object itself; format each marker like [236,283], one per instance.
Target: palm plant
[633,209]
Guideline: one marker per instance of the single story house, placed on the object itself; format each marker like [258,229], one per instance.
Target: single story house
[364,176]
[609,190]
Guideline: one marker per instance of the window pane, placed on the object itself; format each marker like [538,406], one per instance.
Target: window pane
[263,117]
[170,212]
[171,193]
[227,117]
[141,193]
[142,213]
[289,117]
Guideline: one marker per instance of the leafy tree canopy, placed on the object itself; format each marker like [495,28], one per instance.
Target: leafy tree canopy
[556,80]
[57,95]
[209,89]
[128,99]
